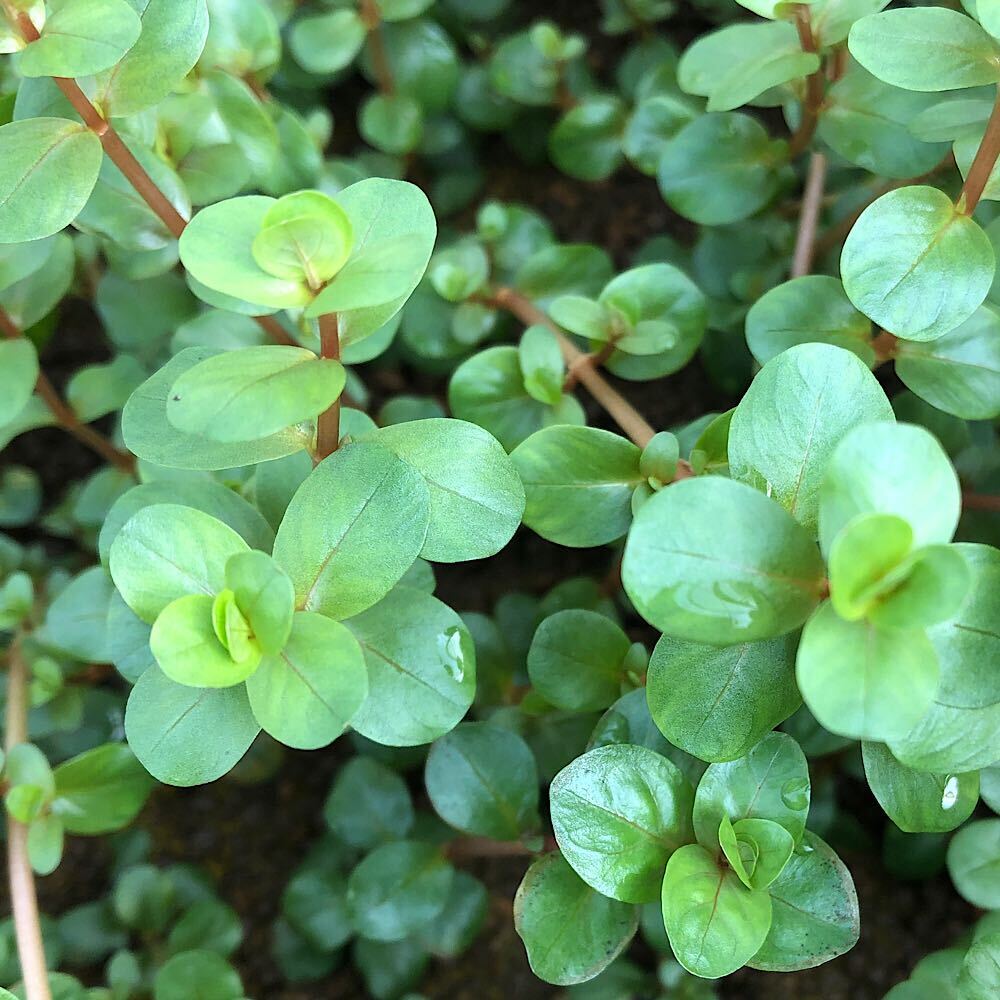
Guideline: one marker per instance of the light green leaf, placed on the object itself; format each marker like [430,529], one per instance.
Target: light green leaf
[18,374]
[100,790]
[49,168]
[96,390]
[712,560]
[306,695]
[327,41]
[570,932]
[618,812]
[974,863]
[756,849]
[353,528]
[265,595]
[916,265]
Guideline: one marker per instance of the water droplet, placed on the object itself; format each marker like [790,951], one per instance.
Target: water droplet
[452,654]
[795,793]
[950,794]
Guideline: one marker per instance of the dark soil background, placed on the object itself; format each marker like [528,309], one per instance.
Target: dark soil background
[250,837]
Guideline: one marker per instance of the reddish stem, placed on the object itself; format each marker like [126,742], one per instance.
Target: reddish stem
[980,501]
[812,202]
[328,425]
[371,16]
[983,164]
[815,87]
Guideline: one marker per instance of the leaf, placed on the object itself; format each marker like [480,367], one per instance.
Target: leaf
[327,42]
[368,805]
[252,393]
[770,782]
[149,435]
[173,36]
[916,801]
[305,236]
[887,468]
[50,167]
[45,844]
[570,932]
[756,849]
[717,703]
[217,249]
[397,889]
[959,372]
[814,911]
[265,595]
[18,374]
[792,417]
[483,780]
[421,669]
[980,975]
[714,923]
[81,37]
[97,390]
[865,682]
[190,650]
[351,531]
[187,736]
[306,695]
[737,63]
[166,551]
[936,584]
[577,660]
[719,169]
[618,812]
[713,560]
[915,265]
[974,863]
[586,142]
[476,497]
[810,309]
[194,973]
[76,621]
[929,49]
[100,790]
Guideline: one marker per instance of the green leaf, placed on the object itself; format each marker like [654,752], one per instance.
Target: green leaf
[577,660]
[570,932]
[579,483]
[265,595]
[717,703]
[715,924]
[915,265]
[76,621]
[306,695]
[980,975]
[737,63]
[207,924]
[618,812]
[166,551]
[720,168]
[586,142]
[81,37]
[974,863]
[936,584]
[368,805]
[421,669]
[173,36]
[305,236]
[927,49]
[542,364]
[217,249]
[397,889]
[757,849]
[353,528]
[814,911]
[50,167]
[45,844]
[252,393]
[18,374]
[152,437]
[187,736]
[395,231]
[97,390]
[797,409]
[916,801]
[476,497]
[189,649]
[959,372]
[327,42]
[483,780]
[887,468]
[392,123]
[712,560]
[197,973]
[770,782]
[100,790]
[862,681]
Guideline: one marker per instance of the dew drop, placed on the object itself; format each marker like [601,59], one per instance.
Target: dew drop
[452,654]
[795,794]
[950,794]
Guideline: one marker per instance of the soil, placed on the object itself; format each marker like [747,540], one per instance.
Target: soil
[249,838]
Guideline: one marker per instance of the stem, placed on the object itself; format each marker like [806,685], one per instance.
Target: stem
[812,202]
[328,425]
[24,900]
[885,346]
[815,87]
[593,360]
[371,16]
[65,416]
[983,164]
[980,501]
[463,848]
